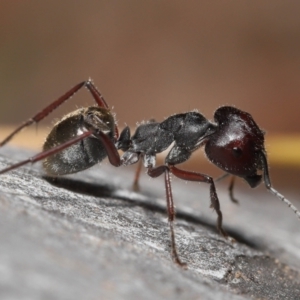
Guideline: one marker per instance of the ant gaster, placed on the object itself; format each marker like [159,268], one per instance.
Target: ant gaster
[81,139]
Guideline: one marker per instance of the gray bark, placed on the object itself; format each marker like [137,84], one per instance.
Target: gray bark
[89,236]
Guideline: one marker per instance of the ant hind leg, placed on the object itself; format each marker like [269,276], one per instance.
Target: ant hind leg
[53,105]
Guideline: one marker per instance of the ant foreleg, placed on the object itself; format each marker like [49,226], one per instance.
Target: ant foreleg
[230,189]
[225,175]
[215,204]
[155,172]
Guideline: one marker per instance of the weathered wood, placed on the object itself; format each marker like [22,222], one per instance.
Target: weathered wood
[88,236]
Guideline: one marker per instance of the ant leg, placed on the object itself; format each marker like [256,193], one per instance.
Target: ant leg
[99,99]
[230,188]
[225,175]
[269,186]
[45,112]
[47,153]
[155,172]
[215,204]
[136,186]
[112,152]
[96,94]
[52,106]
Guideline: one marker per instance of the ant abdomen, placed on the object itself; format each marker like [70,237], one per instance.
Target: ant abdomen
[85,153]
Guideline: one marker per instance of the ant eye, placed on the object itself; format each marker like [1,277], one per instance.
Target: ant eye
[237,152]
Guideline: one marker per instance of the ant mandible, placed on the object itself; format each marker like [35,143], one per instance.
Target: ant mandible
[86,136]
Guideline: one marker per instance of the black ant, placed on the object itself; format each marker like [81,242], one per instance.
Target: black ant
[82,138]
[234,143]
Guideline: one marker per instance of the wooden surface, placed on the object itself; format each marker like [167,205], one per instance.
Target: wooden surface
[89,236]
[115,239]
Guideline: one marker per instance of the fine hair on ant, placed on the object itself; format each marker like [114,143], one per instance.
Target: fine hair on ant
[86,136]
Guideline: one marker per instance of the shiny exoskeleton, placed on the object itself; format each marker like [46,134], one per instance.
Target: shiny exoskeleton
[81,139]
[85,153]
[233,142]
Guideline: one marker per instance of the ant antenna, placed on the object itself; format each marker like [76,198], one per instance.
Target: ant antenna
[271,189]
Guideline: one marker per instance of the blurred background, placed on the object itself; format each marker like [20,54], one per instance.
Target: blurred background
[151,59]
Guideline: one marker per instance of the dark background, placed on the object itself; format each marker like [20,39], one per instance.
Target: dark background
[151,59]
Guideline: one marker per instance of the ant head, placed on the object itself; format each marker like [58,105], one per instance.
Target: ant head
[237,144]
[99,118]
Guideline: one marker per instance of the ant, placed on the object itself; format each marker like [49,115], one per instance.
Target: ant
[84,137]
[234,143]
